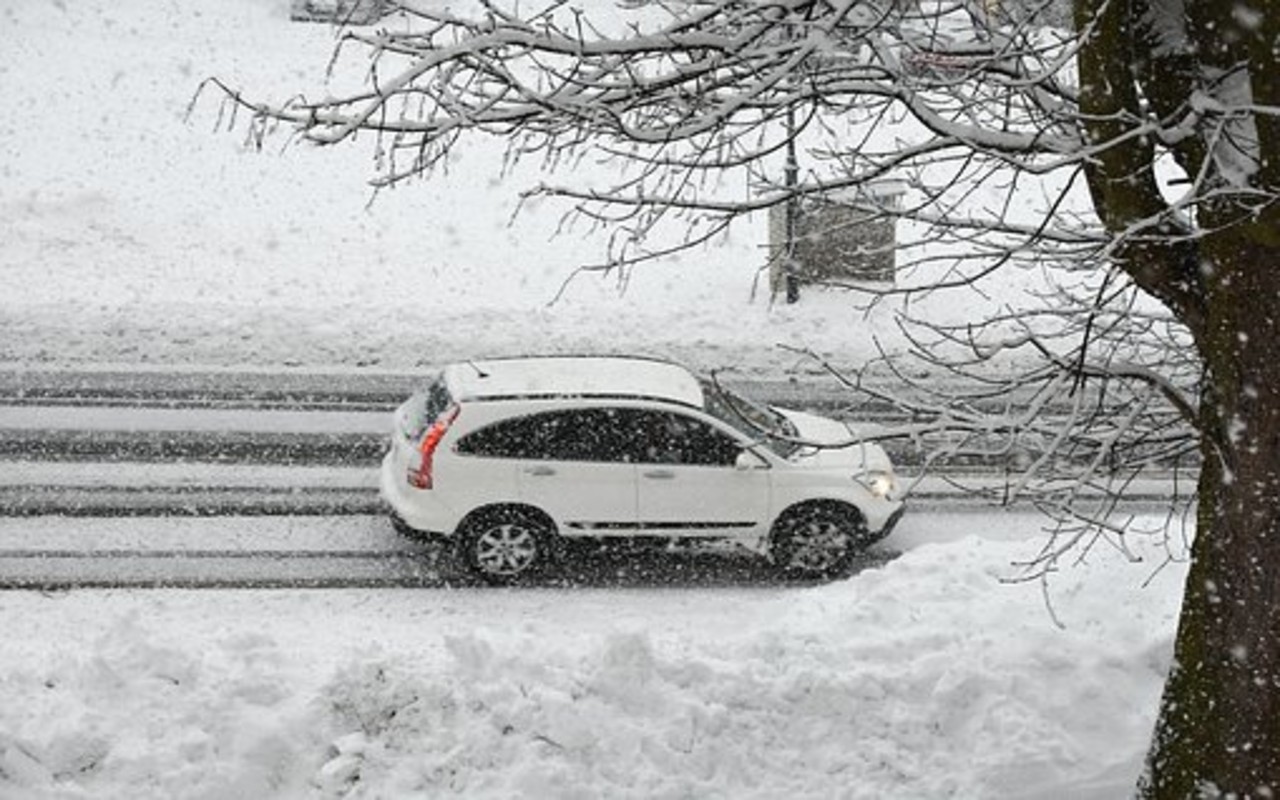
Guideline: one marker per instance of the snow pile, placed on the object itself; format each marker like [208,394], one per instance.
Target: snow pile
[927,677]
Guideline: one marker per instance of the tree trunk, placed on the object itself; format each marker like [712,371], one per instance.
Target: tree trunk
[1218,732]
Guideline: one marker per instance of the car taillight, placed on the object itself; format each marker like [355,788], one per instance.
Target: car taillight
[420,478]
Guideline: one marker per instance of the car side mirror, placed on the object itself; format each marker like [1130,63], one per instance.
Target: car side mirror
[748,459]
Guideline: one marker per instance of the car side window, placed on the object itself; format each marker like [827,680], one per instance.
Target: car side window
[587,434]
[605,435]
[671,438]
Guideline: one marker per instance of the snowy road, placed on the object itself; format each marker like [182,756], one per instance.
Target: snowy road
[362,550]
[298,389]
[335,418]
[200,442]
[162,478]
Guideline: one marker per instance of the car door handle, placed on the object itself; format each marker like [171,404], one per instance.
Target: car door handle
[660,474]
[540,472]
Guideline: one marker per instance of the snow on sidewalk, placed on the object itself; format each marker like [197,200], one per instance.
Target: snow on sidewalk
[926,678]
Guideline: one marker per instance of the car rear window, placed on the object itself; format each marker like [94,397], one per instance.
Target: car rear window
[425,406]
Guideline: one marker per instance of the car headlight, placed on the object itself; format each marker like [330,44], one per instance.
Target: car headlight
[880,484]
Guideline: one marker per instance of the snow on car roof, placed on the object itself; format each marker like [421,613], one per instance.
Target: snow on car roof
[573,376]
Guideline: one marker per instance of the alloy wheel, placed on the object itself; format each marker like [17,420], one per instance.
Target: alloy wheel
[506,549]
[818,545]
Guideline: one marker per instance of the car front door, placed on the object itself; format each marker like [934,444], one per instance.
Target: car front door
[688,481]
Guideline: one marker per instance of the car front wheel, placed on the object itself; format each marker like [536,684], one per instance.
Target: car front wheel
[504,545]
[817,540]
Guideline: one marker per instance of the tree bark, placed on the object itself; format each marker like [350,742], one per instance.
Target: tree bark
[1218,732]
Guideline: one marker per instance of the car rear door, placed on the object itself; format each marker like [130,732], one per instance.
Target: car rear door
[577,471]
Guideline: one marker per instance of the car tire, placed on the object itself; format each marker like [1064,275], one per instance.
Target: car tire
[505,545]
[816,540]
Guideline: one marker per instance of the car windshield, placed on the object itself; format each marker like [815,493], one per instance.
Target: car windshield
[755,420]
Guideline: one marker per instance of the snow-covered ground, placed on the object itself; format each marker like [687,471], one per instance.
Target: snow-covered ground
[130,234]
[927,677]
[134,232]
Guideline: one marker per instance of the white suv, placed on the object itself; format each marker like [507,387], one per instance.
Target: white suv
[503,456]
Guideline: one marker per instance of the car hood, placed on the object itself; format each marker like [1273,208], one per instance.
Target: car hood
[839,444]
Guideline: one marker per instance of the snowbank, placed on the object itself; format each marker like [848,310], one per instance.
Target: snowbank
[927,677]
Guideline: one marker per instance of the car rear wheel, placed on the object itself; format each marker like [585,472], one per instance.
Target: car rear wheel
[817,540]
[504,545]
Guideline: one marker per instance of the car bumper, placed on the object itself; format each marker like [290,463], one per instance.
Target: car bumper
[889,525]
[412,508]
